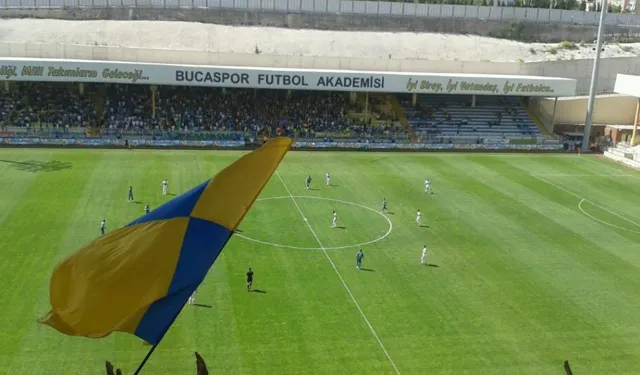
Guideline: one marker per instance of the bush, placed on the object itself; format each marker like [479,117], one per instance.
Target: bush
[568,45]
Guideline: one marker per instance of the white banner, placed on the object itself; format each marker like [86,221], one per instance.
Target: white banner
[496,141]
[50,70]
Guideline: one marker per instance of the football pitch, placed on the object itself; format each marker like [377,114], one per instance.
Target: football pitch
[533,259]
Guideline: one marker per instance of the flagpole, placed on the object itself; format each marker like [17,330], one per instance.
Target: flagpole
[153,348]
[594,79]
[146,358]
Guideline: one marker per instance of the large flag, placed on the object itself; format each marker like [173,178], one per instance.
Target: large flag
[137,279]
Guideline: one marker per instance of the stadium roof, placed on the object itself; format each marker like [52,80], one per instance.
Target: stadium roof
[92,71]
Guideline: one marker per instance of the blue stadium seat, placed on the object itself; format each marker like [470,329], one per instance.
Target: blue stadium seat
[453,116]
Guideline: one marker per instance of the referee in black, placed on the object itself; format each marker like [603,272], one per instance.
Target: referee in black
[249,280]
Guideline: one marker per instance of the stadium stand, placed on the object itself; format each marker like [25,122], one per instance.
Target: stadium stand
[459,120]
[46,106]
[179,112]
[125,106]
[197,113]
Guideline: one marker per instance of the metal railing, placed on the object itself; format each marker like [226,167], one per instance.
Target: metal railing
[347,7]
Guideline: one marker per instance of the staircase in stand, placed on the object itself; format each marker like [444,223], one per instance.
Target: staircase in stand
[402,118]
[536,119]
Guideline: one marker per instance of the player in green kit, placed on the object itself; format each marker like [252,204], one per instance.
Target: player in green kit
[308,181]
[359,257]
[146,208]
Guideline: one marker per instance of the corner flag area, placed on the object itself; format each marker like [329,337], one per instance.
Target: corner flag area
[532,259]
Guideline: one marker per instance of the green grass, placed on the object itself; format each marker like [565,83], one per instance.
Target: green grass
[525,279]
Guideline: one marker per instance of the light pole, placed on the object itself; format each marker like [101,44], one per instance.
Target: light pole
[594,79]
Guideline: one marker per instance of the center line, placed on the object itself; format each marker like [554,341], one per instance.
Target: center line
[375,335]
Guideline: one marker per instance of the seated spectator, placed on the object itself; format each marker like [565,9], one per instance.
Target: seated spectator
[190,112]
[47,105]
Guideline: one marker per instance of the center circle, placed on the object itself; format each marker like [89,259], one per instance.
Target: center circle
[321,248]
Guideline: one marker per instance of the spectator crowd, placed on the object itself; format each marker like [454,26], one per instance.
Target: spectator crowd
[181,112]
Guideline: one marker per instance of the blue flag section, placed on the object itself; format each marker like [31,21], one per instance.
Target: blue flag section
[137,279]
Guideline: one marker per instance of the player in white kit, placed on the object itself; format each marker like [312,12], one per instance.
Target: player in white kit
[423,258]
[427,185]
[328,179]
[192,298]
[419,218]
[165,187]
[335,219]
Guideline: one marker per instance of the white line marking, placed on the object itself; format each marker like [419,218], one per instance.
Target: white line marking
[604,163]
[586,200]
[340,277]
[305,219]
[602,221]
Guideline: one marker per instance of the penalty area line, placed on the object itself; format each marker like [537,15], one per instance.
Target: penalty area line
[344,284]
[583,199]
[605,222]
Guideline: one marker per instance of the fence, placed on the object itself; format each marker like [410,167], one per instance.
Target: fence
[346,7]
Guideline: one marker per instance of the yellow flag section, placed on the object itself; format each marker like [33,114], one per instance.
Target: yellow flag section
[137,279]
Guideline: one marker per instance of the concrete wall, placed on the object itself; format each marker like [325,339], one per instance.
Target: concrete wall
[581,70]
[529,24]
[609,109]
[577,69]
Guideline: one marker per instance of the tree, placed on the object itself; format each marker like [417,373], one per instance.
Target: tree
[572,5]
[541,4]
